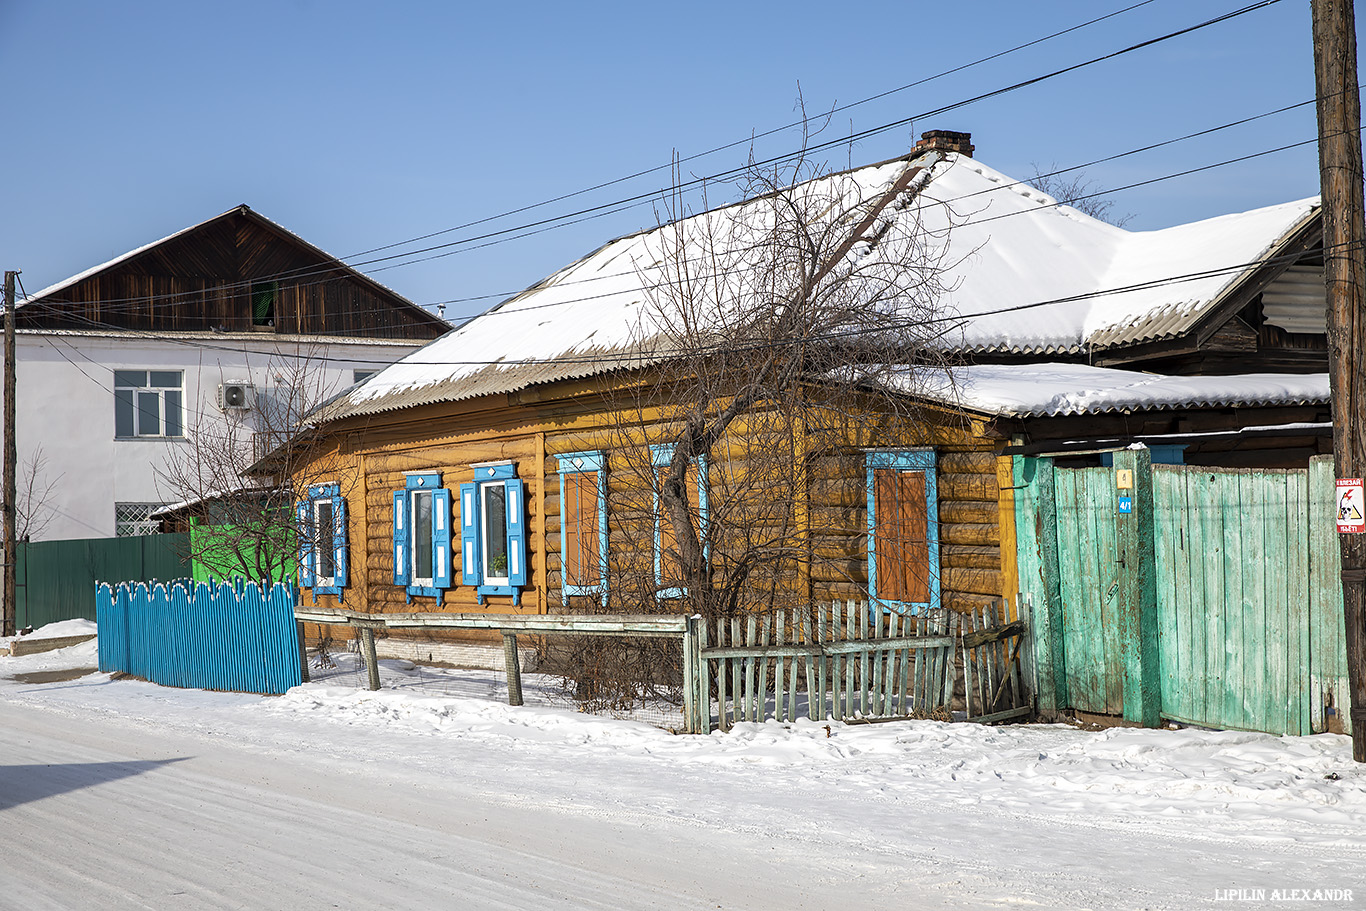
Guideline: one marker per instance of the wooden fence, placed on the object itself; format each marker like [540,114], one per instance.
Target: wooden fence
[837,661]
[1214,600]
[841,661]
[220,637]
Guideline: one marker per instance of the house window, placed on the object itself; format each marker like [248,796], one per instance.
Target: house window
[322,540]
[493,532]
[132,519]
[148,403]
[668,581]
[264,296]
[583,525]
[903,530]
[422,535]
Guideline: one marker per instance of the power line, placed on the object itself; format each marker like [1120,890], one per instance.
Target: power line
[639,199]
[133,304]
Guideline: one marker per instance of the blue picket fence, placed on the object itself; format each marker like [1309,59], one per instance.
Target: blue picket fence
[238,637]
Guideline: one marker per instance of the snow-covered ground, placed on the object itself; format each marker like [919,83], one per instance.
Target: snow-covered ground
[122,794]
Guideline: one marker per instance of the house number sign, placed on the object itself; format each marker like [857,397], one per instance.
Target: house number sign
[1351,506]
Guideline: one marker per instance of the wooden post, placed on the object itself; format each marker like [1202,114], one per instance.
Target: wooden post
[11,593]
[1344,272]
[514,668]
[1137,595]
[367,641]
[1038,505]
[689,679]
[303,651]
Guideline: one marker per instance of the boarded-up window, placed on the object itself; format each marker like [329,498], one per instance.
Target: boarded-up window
[901,536]
[583,525]
[668,573]
[580,533]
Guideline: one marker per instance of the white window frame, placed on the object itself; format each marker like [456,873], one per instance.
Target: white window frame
[137,393]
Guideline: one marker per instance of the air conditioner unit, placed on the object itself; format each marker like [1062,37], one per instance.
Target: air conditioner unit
[236,396]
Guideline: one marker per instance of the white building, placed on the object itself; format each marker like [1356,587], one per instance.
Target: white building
[231,323]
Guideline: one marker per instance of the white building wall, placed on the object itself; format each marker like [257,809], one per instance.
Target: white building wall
[65,406]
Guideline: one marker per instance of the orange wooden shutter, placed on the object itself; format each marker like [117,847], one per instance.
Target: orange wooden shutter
[901,533]
[580,531]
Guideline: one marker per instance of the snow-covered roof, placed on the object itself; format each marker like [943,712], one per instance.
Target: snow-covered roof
[1032,390]
[1021,274]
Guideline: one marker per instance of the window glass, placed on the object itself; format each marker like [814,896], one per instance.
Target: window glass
[135,519]
[149,414]
[495,532]
[148,403]
[172,399]
[422,536]
[123,413]
[325,549]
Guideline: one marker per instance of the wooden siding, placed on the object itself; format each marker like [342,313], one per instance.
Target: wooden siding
[828,512]
[201,281]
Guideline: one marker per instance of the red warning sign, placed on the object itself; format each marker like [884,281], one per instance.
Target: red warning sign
[1351,506]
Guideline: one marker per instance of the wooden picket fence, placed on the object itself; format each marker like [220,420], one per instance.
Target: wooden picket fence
[225,637]
[835,661]
[993,684]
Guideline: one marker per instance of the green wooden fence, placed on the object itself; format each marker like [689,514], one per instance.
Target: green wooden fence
[1214,601]
[56,579]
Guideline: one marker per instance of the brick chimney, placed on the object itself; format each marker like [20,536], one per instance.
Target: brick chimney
[946,141]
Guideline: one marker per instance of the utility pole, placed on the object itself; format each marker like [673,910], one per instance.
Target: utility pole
[1344,277]
[11,458]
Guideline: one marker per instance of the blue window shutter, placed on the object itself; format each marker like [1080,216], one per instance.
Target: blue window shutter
[304,510]
[469,535]
[441,538]
[339,539]
[516,535]
[402,556]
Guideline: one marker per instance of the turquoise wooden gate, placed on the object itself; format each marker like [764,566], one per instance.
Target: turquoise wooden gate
[1229,601]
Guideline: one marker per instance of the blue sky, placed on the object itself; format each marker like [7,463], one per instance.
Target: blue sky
[358,125]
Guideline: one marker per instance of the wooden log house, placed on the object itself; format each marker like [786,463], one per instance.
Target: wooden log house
[489,471]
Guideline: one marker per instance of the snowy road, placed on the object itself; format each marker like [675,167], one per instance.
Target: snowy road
[120,794]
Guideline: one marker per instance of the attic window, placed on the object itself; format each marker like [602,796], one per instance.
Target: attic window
[263,297]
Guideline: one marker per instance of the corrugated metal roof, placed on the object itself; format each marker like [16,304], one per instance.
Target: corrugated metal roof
[1034,390]
[1022,275]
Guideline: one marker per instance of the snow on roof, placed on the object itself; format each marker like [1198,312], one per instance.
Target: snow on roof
[1022,274]
[1034,390]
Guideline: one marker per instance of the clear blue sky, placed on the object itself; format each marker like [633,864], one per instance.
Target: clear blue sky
[358,124]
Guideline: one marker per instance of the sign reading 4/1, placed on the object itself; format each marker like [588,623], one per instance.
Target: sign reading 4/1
[1351,506]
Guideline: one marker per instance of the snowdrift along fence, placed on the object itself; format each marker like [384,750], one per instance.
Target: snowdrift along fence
[222,637]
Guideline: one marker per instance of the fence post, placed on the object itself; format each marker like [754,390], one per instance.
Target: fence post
[1137,596]
[367,639]
[703,684]
[1038,520]
[514,668]
[303,650]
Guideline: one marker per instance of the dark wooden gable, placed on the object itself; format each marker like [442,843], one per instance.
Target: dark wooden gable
[238,272]
[1242,334]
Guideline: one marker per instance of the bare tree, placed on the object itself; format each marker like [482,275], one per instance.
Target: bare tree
[780,334]
[37,489]
[233,482]
[1077,191]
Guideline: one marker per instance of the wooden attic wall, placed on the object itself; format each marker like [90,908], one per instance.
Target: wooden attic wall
[201,281]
